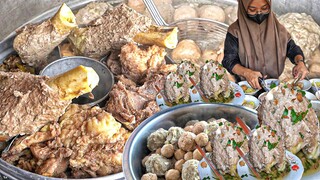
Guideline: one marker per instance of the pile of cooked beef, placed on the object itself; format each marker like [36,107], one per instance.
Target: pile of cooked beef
[132,98]
[27,103]
[86,141]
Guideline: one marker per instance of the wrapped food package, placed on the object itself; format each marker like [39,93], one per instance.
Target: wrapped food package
[35,42]
[111,31]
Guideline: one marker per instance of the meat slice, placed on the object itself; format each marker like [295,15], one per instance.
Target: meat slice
[266,150]
[27,103]
[289,113]
[112,30]
[137,62]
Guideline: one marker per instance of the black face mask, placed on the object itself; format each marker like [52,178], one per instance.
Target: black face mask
[258,18]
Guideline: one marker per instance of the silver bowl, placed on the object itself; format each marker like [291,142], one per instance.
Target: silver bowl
[105,83]
[136,146]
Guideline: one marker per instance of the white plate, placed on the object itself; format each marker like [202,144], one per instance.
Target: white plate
[270,81]
[245,173]
[161,102]
[313,88]
[249,98]
[306,84]
[310,96]
[237,90]
[247,84]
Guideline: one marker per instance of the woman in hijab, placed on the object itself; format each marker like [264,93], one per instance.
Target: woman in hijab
[257,45]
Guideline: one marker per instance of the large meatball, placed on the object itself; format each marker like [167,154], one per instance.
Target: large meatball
[186,50]
[186,141]
[185,12]
[174,134]
[190,170]
[149,176]
[158,164]
[156,139]
[212,12]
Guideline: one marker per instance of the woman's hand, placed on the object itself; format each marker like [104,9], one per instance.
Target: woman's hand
[300,68]
[252,78]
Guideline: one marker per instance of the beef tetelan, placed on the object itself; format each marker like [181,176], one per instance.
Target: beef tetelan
[29,102]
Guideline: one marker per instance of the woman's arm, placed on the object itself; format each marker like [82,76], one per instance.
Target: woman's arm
[231,62]
[296,56]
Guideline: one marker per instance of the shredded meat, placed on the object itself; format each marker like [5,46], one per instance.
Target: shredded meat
[27,103]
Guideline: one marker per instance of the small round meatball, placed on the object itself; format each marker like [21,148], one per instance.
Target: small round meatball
[192,122]
[199,127]
[179,154]
[202,139]
[212,12]
[208,147]
[197,155]
[188,156]
[185,12]
[173,136]
[149,176]
[186,141]
[190,170]
[156,139]
[144,160]
[172,174]
[167,150]
[137,5]
[189,128]
[186,50]
[158,164]
[178,165]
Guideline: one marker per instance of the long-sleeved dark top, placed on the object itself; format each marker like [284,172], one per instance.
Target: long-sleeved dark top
[231,50]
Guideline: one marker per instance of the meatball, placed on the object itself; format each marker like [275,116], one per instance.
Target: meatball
[144,160]
[212,12]
[186,141]
[190,170]
[199,127]
[156,139]
[188,156]
[174,134]
[208,147]
[178,165]
[231,13]
[192,122]
[189,128]
[137,5]
[172,174]
[197,155]
[202,139]
[158,164]
[185,12]
[179,154]
[167,150]
[149,176]
[187,50]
